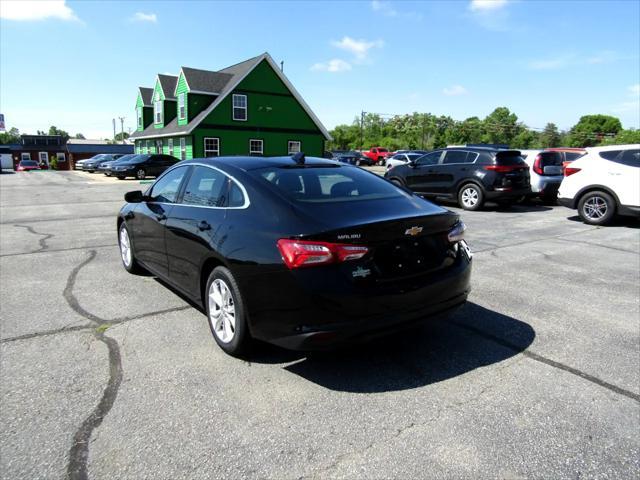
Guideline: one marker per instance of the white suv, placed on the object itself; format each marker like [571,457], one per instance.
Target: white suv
[605,182]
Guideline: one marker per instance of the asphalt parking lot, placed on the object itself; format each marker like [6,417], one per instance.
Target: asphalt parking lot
[109,375]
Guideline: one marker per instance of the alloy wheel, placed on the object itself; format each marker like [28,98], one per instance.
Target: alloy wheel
[125,247]
[140,174]
[595,208]
[222,311]
[469,197]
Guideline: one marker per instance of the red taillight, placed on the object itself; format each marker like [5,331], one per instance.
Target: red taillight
[537,165]
[305,253]
[570,171]
[504,168]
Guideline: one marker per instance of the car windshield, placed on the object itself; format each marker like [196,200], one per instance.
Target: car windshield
[326,184]
[126,158]
[28,163]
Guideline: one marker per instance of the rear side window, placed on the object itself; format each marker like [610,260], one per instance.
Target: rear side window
[455,156]
[326,185]
[165,190]
[571,156]
[236,197]
[610,154]
[631,158]
[206,188]
[430,158]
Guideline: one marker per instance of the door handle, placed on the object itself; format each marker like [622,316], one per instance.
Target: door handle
[203,225]
[161,217]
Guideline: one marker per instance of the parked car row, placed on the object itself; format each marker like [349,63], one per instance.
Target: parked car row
[139,166]
[608,184]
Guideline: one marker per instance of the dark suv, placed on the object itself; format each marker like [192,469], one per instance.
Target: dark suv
[142,166]
[469,175]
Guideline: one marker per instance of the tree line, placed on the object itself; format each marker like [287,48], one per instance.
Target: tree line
[425,131]
[13,135]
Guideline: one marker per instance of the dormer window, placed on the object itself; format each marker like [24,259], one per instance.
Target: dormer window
[139,112]
[182,111]
[157,111]
[240,107]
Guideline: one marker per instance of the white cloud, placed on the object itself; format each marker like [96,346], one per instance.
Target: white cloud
[455,90]
[634,89]
[384,8]
[144,17]
[486,5]
[26,10]
[359,48]
[334,66]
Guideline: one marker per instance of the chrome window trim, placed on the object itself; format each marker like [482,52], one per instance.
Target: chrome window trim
[465,163]
[245,205]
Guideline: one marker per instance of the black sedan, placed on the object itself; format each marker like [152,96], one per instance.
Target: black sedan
[93,164]
[142,166]
[283,250]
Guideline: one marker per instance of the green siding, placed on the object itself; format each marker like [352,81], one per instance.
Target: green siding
[236,142]
[196,103]
[263,109]
[181,87]
[147,114]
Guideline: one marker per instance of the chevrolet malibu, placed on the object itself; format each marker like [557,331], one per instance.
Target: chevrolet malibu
[302,253]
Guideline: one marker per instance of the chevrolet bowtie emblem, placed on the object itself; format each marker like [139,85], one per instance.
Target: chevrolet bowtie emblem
[413,231]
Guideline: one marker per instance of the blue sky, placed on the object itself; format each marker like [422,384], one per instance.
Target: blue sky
[77,65]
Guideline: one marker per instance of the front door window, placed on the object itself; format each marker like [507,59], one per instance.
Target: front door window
[44,158]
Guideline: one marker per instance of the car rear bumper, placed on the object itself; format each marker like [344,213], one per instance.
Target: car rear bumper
[567,202]
[301,315]
[546,186]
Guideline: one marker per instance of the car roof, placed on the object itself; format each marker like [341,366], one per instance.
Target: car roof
[613,147]
[253,163]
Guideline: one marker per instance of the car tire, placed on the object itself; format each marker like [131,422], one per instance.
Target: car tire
[471,197]
[127,254]
[226,313]
[596,208]
[141,174]
[358,163]
[397,182]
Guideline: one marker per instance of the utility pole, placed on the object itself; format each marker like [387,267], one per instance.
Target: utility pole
[361,128]
[114,130]
[122,128]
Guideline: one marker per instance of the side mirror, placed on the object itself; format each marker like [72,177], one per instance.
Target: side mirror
[412,163]
[133,197]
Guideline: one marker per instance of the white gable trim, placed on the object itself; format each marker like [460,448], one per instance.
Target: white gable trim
[175,90]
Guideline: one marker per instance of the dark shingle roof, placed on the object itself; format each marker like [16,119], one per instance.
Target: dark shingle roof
[168,85]
[205,80]
[146,94]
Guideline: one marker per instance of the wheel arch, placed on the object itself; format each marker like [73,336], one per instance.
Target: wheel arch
[596,188]
[467,181]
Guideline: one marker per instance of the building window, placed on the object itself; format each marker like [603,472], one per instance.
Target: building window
[157,111]
[183,148]
[139,112]
[182,111]
[240,107]
[170,144]
[61,157]
[146,147]
[25,156]
[293,147]
[211,147]
[159,146]
[255,147]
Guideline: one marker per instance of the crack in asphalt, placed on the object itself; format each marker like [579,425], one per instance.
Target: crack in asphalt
[70,249]
[527,242]
[610,247]
[61,219]
[42,242]
[79,451]
[547,361]
[46,333]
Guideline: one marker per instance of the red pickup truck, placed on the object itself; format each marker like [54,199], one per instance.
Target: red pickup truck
[377,154]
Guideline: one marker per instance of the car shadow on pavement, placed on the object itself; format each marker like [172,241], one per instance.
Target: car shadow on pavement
[618,221]
[472,338]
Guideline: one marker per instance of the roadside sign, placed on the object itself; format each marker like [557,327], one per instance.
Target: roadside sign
[2,122]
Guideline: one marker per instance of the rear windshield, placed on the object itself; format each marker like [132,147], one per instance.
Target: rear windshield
[28,163]
[509,158]
[326,184]
[551,159]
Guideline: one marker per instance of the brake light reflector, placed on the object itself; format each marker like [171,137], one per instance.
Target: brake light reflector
[570,171]
[537,165]
[457,232]
[305,253]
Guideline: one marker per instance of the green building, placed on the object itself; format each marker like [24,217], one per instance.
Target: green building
[249,108]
